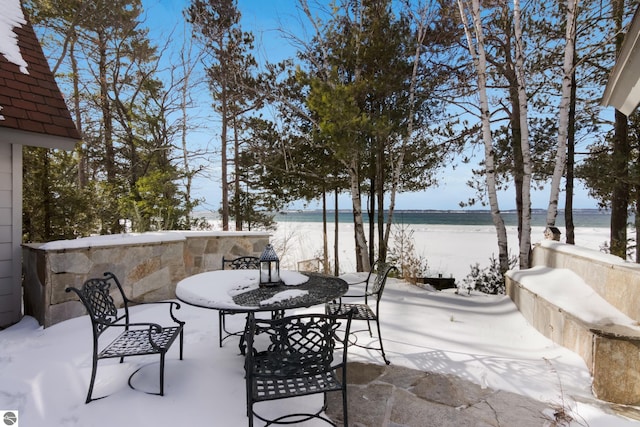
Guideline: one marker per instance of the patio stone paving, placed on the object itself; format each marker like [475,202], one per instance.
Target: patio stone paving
[401,397]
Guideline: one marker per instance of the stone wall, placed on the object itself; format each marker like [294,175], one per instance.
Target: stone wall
[584,300]
[148,266]
[614,279]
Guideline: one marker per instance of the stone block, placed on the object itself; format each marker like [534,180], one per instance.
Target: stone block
[142,268]
[59,284]
[108,255]
[151,283]
[213,246]
[64,311]
[579,339]
[616,373]
[69,262]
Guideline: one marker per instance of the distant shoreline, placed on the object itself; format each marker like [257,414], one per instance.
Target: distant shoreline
[582,217]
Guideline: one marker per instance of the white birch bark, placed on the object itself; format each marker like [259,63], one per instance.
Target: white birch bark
[525,237]
[399,163]
[479,59]
[563,114]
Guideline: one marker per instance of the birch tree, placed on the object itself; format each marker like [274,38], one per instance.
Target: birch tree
[525,234]
[478,55]
[564,110]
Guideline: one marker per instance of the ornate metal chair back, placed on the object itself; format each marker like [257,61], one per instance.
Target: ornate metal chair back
[100,305]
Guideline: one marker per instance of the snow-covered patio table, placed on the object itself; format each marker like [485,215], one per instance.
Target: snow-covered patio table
[239,291]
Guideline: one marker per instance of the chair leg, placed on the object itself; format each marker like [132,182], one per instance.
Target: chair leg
[249,407]
[161,374]
[221,327]
[93,380]
[384,356]
[181,342]
[345,411]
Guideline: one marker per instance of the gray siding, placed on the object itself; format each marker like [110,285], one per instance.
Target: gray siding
[10,232]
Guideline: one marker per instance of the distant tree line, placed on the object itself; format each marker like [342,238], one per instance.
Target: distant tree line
[379,98]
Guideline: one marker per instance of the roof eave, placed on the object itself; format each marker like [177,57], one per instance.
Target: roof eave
[623,87]
[33,139]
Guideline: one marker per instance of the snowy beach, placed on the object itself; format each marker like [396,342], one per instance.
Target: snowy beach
[449,249]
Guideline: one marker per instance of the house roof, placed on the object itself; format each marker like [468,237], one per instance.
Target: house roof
[32,102]
[623,87]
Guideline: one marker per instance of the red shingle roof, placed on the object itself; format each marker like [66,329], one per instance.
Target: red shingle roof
[33,102]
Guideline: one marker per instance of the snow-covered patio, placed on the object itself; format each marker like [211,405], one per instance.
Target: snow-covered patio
[484,339]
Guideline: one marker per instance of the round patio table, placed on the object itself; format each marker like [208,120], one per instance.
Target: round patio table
[239,291]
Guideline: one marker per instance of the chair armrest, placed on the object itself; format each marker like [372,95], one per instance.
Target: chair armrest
[150,325]
[171,304]
[359,296]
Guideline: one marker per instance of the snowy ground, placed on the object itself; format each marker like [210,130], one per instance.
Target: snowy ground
[484,339]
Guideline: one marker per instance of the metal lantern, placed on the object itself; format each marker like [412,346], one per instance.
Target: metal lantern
[269,267]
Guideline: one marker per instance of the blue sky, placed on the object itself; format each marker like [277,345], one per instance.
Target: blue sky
[264,18]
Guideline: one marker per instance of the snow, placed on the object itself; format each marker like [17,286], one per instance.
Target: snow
[44,373]
[589,253]
[481,338]
[10,18]
[571,294]
[197,289]
[134,238]
[283,296]
[112,240]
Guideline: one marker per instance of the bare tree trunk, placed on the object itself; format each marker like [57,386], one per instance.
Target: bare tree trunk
[371,209]
[563,114]
[362,251]
[571,148]
[75,76]
[325,237]
[185,89]
[479,58]
[400,153]
[620,163]
[336,252]
[620,197]
[107,122]
[105,105]
[516,148]
[525,238]
[380,179]
[223,160]
[237,205]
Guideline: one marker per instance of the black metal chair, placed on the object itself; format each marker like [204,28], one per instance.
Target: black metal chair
[372,272]
[136,339]
[299,358]
[363,311]
[240,263]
